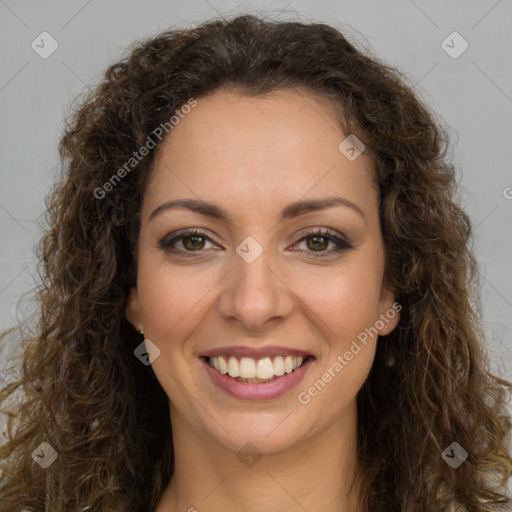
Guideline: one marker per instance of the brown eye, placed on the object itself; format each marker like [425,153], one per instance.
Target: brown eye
[193,242]
[185,242]
[318,242]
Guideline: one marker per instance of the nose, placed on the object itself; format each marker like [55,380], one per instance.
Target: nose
[255,294]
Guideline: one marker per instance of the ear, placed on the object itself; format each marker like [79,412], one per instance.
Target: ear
[133,310]
[389,312]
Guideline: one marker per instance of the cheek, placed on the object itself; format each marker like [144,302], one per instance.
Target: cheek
[174,298]
[345,312]
[336,385]
[344,300]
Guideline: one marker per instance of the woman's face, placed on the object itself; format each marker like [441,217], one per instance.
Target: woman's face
[254,281]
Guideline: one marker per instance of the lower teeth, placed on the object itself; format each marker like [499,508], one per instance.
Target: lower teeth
[255,380]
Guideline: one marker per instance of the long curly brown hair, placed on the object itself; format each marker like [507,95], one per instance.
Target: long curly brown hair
[105,413]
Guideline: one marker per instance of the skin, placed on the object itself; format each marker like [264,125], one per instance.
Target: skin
[252,157]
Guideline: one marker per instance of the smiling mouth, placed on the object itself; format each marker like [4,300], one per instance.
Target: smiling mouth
[247,369]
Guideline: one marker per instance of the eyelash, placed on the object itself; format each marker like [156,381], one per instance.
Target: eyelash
[341,244]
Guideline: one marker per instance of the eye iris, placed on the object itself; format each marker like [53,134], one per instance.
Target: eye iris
[195,238]
[316,244]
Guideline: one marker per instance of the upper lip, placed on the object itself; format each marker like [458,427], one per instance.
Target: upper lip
[254,353]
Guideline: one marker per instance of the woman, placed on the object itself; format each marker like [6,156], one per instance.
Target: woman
[257,293]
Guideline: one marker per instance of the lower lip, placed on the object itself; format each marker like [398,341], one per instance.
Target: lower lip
[257,391]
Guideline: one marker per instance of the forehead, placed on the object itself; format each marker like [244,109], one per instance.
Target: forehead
[283,145]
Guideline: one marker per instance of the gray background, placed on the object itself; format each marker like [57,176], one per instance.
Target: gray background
[472,93]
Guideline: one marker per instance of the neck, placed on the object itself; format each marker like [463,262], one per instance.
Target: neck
[316,473]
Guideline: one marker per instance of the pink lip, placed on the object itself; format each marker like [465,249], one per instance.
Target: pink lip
[255,391]
[254,353]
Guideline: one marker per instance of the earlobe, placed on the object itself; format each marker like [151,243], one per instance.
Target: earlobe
[133,310]
[389,313]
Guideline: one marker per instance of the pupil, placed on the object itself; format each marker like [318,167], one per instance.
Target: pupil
[315,240]
[194,241]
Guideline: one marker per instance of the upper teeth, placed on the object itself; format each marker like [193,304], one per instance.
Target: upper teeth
[249,368]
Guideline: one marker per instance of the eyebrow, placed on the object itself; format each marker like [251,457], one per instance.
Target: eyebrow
[290,211]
